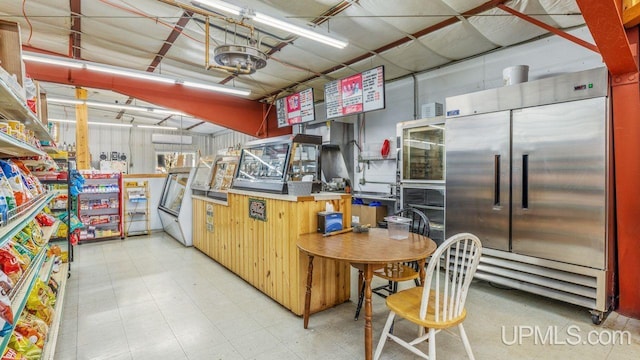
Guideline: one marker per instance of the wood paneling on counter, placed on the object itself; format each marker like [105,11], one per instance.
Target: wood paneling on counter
[264,253]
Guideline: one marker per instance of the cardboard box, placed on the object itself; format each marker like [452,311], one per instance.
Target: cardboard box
[364,214]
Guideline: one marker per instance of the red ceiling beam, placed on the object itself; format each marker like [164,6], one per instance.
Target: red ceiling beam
[603,17]
[75,45]
[246,116]
[549,28]
[173,35]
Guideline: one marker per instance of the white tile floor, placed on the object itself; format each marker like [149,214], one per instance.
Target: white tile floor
[152,298]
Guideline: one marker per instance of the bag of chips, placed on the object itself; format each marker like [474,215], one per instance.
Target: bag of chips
[40,301]
[33,328]
[6,316]
[10,264]
[25,240]
[23,345]
[6,284]
[45,219]
[11,354]
[6,191]
[12,172]
[23,255]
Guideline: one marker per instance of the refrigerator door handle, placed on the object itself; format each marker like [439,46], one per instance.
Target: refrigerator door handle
[525,181]
[496,180]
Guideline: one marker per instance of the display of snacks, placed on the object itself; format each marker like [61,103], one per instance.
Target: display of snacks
[96,204]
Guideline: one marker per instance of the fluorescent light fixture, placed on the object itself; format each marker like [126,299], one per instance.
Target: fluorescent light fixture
[52,61]
[157,127]
[219,88]
[77,64]
[62,121]
[270,21]
[221,5]
[65,101]
[116,106]
[130,73]
[91,123]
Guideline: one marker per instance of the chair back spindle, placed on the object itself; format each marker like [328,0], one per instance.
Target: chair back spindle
[449,276]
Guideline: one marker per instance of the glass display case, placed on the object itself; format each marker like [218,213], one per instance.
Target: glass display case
[421,171]
[422,150]
[222,176]
[173,192]
[202,176]
[174,207]
[267,165]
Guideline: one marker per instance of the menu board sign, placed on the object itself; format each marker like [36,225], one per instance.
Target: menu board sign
[355,94]
[296,108]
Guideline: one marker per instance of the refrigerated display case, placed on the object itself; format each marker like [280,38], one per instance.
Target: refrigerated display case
[421,170]
[214,175]
[175,208]
[202,176]
[267,165]
[222,176]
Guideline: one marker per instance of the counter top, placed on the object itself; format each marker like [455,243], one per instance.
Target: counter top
[374,196]
[138,176]
[211,200]
[312,197]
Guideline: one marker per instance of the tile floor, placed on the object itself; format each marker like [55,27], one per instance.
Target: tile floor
[151,298]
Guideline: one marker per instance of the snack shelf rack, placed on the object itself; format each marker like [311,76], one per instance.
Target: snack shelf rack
[136,208]
[20,220]
[49,349]
[101,186]
[23,287]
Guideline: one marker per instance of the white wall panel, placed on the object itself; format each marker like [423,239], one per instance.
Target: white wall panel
[135,143]
[229,139]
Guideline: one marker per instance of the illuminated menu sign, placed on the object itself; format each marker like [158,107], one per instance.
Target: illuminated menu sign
[355,94]
[296,108]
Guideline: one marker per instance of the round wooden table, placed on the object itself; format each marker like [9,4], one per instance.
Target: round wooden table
[370,250]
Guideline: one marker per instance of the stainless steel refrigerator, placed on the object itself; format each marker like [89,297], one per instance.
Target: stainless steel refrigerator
[528,171]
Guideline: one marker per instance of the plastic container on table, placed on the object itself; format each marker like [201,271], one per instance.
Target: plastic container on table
[398,227]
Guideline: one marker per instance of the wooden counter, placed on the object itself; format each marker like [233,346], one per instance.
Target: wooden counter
[264,253]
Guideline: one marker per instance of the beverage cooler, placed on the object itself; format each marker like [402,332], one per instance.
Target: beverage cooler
[175,208]
[529,173]
[420,170]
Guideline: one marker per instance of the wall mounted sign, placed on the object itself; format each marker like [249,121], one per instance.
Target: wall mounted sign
[296,108]
[258,209]
[355,94]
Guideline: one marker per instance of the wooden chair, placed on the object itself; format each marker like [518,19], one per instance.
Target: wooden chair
[396,272]
[440,303]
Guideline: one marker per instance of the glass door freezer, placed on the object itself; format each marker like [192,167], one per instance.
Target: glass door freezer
[175,208]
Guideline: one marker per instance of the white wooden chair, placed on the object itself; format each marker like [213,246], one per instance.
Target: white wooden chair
[440,303]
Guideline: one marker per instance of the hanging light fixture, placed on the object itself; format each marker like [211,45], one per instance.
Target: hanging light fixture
[274,22]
